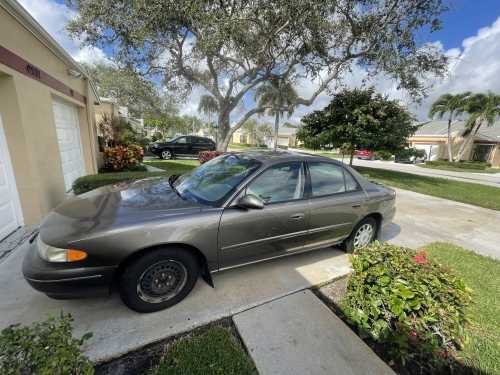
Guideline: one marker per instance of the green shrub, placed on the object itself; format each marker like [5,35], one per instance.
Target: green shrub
[384,155]
[411,306]
[476,165]
[120,158]
[91,182]
[44,348]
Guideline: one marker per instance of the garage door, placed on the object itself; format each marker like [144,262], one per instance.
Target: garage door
[431,150]
[68,137]
[10,211]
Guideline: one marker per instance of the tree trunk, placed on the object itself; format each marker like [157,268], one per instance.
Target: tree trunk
[276,128]
[468,141]
[450,152]
[351,157]
[223,132]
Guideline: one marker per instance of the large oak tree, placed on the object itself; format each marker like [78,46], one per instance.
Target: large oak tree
[230,47]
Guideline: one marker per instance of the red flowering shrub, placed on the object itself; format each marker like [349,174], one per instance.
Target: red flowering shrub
[205,156]
[121,158]
[421,257]
[411,306]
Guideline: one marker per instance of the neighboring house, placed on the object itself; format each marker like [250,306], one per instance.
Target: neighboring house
[109,107]
[241,136]
[47,133]
[432,137]
[286,138]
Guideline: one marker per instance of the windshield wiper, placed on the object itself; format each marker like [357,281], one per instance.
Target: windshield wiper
[171,181]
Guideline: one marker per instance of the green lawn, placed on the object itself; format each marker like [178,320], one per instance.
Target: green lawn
[174,166]
[243,146]
[90,182]
[457,169]
[215,352]
[482,275]
[476,194]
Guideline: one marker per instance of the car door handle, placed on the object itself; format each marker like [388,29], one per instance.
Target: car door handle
[356,205]
[297,216]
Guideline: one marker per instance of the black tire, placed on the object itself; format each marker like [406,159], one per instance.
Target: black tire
[166,154]
[348,244]
[139,279]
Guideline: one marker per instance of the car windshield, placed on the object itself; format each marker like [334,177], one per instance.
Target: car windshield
[214,180]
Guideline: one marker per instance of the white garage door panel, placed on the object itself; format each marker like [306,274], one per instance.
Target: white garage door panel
[70,146]
[10,211]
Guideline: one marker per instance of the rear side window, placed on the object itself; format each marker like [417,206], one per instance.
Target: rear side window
[327,179]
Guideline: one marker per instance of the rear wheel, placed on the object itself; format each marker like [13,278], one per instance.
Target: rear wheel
[158,279]
[363,234]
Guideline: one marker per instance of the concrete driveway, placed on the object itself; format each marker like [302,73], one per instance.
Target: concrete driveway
[420,219]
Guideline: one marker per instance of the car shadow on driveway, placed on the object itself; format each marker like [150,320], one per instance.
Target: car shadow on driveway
[117,330]
[389,232]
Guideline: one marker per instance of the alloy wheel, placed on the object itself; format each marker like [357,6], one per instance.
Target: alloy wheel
[166,154]
[364,235]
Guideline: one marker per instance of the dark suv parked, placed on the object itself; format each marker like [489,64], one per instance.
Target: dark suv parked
[186,145]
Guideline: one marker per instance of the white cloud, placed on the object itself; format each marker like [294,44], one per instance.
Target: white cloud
[54,17]
[474,67]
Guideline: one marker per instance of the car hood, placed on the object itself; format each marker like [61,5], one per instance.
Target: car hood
[114,207]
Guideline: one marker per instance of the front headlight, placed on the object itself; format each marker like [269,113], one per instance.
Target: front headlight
[57,255]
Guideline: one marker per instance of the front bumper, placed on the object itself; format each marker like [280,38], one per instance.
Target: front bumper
[66,280]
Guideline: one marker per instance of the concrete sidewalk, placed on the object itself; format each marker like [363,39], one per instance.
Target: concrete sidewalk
[299,335]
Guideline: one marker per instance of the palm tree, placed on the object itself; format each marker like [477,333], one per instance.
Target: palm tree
[454,105]
[483,109]
[280,96]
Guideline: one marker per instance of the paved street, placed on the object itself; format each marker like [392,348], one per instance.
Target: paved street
[477,178]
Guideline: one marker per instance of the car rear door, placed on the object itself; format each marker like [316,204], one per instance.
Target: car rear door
[336,204]
[279,228]
[198,145]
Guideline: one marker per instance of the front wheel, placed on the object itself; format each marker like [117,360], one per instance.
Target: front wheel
[167,155]
[363,234]
[159,279]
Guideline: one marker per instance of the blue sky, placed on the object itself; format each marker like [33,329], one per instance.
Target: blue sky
[470,37]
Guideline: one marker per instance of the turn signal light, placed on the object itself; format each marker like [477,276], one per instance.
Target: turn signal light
[73,255]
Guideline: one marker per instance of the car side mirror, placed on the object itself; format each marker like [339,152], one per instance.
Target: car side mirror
[250,201]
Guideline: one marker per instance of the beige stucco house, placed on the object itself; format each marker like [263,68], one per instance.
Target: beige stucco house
[47,132]
[432,137]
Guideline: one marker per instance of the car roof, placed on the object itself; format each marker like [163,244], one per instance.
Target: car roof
[269,157]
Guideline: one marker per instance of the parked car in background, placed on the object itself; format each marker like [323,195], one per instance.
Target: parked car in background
[365,155]
[152,238]
[410,156]
[186,145]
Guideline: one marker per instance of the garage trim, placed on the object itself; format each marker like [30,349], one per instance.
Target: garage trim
[11,180]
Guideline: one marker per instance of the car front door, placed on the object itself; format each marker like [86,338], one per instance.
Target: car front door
[182,146]
[248,235]
[336,204]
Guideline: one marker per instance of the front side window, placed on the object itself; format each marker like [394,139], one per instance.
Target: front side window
[280,183]
[213,181]
[326,179]
[181,140]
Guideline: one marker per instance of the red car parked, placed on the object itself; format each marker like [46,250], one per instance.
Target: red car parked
[365,155]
